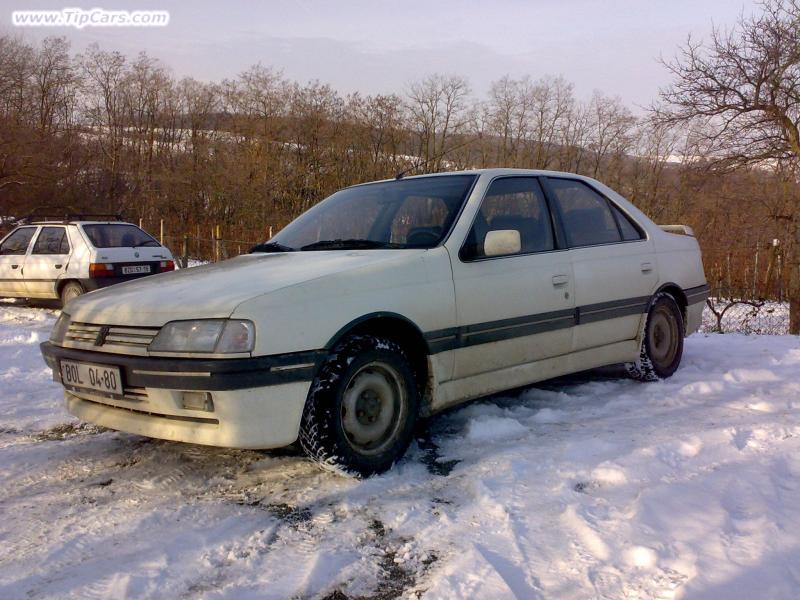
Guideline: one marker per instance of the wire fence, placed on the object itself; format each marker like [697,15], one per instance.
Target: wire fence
[758,317]
[748,283]
[749,286]
[206,243]
[749,272]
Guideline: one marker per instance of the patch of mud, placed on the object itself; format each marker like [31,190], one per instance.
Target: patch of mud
[399,578]
[430,456]
[64,431]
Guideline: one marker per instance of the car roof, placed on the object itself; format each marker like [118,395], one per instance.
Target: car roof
[493,172]
[32,223]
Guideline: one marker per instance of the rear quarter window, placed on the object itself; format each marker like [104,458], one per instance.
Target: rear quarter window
[630,232]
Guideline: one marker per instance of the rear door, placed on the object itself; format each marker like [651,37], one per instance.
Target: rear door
[46,261]
[12,258]
[515,308]
[612,260]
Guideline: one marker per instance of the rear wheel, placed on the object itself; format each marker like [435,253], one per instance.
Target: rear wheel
[360,412]
[662,342]
[71,290]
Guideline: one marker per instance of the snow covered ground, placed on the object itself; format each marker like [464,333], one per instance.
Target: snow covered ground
[590,486]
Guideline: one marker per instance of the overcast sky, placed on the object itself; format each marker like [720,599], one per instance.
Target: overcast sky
[380,45]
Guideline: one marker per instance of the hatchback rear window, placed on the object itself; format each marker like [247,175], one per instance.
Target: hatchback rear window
[118,236]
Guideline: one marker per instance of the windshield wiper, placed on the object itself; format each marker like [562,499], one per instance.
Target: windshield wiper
[271,247]
[146,243]
[349,244]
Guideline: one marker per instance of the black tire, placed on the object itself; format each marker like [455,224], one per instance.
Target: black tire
[71,290]
[366,388]
[662,341]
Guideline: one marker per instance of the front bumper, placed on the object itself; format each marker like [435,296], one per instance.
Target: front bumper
[257,402]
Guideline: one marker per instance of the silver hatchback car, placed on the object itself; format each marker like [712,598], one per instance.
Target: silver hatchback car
[64,258]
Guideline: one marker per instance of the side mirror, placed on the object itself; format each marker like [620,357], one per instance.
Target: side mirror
[501,242]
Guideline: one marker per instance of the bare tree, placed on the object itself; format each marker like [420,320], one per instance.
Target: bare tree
[438,107]
[743,87]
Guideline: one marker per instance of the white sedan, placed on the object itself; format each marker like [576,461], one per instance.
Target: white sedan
[384,303]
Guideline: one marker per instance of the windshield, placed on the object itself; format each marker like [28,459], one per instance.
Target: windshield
[118,236]
[405,213]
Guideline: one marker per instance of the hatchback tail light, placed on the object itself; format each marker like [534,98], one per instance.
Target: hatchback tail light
[166,265]
[101,270]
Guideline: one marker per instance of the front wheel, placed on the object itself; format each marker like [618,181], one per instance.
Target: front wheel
[360,413]
[662,342]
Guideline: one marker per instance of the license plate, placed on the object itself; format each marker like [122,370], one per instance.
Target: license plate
[136,269]
[89,376]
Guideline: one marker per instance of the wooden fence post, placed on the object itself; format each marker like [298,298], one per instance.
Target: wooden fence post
[162,232]
[185,258]
[217,243]
[769,288]
[755,273]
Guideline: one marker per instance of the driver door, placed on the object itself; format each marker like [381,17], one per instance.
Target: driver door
[12,259]
[513,308]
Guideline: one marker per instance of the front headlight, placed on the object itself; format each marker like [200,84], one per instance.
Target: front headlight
[210,336]
[60,329]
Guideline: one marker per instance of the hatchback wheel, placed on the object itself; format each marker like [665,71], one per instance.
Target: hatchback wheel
[662,342]
[362,407]
[72,290]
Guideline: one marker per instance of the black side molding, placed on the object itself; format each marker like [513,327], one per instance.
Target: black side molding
[697,294]
[196,373]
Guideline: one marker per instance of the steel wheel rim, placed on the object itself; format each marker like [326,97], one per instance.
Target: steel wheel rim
[663,336]
[373,409]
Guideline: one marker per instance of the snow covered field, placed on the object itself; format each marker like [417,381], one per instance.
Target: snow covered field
[585,487]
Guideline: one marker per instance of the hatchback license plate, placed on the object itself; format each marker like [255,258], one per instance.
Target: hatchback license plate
[89,376]
[136,270]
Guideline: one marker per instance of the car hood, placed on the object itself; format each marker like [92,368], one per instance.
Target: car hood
[215,290]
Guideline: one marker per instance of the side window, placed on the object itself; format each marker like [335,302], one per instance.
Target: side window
[629,231]
[51,240]
[515,203]
[418,221]
[18,241]
[585,214]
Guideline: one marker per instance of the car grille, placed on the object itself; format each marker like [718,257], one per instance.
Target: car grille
[110,338]
[131,394]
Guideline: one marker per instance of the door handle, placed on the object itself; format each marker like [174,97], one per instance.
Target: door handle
[647,267]
[560,280]
[58,266]
[15,266]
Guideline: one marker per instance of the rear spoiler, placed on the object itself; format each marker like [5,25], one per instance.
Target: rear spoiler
[678,229]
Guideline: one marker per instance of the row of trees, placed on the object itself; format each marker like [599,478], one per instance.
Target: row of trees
[100,131]
[104,131]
